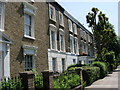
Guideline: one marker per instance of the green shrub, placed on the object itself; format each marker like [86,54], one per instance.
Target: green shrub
[67,81]
[11,84]
[102,66]
[110,59]
[90,74]
[38,80]
[73,66]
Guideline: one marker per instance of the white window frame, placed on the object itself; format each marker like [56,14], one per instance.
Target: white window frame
[56,68]
[84,35]
[70,25]
[54,29]
[75,28]
[33,63]
[63,66]
[54,13]
[30,50]
[31,11]
[71,47]
[2,16]
[83,50]
[62,19]
[61,32]
[77,48]
[88,37]
[81,33]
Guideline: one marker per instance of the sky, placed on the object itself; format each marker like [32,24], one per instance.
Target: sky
[79,10]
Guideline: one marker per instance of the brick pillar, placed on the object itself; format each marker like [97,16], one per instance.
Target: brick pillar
[47,79]
[27,80]
[79,71]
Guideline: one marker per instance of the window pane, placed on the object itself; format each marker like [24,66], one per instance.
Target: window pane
[51,12]
[1,15]
[28,62]
[54,64]
[53,39]
[0,21]
[63,64]
[27,25]
[71,44]
[62,42]
[0,10]
[27,19]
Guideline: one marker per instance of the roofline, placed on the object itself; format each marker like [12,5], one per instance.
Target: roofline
[72,18]
[76,21]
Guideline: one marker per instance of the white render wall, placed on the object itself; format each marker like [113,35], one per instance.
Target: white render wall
[68,59]
[59,56]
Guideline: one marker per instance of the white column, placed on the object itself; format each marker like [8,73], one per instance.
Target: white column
[7,62]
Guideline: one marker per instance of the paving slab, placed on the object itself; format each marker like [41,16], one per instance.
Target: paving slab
[110,82]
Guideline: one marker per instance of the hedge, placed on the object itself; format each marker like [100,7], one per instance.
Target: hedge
[67,81]
[11,84]
[73,66]
[38,80]
[103,68]
[90,74]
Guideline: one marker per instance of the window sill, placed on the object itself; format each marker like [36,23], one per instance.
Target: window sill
[75,33]
[71,31]
[53,20]
[2,30]
[62,25]
[29,37]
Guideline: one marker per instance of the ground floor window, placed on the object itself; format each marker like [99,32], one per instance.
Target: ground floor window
[54,64]
[63,64]
[74,61]
[28,62]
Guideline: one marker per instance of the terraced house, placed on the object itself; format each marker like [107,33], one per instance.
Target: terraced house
[41,36]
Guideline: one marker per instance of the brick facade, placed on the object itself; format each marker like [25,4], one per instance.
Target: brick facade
[14,29]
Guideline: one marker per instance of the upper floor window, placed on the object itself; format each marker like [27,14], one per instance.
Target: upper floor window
[75,28]
[52,14]
[29,13]
[71,44]
[28,25]
[62,40]
[81,33]
[61,19]
[2,7]
[53,37]
[76,46]
[70,25]
[85,35]
[88,37]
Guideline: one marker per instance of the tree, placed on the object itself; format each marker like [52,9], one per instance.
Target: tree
[104,35]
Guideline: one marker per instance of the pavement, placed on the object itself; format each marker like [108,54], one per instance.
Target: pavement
[110,82]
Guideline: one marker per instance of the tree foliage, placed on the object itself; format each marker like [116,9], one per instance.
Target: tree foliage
[105,38]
